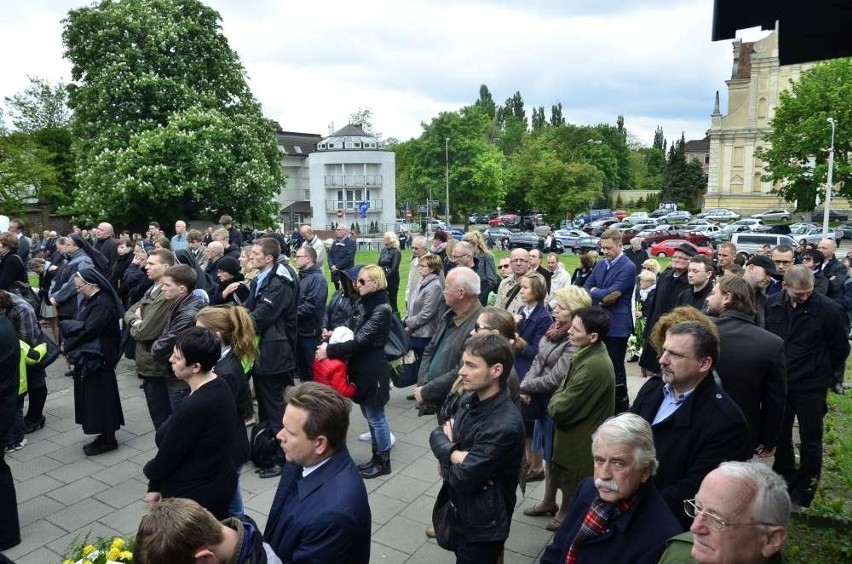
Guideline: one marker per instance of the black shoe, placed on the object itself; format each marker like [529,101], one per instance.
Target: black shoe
[99,446]
[381,467]
[370,462]
[32,426]
[70,374]
[410,397]
[838,388]
[271,472]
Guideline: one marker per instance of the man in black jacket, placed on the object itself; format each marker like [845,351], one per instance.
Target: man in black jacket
[751,362]
[636,253]
[480,452]
[700,278]
[313,293]
[696,425]
[10,352]
[341,255]
[833,270]
[813,328]
[272,304]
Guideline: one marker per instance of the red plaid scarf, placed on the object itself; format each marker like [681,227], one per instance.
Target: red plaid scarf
[600,514]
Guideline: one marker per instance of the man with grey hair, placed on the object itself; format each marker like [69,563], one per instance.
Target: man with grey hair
[636,253]
[310,239]
[179,241]
[440,363]
[214,251]
[739,514]
[618,515]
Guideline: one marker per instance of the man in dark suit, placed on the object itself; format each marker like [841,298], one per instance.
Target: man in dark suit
[752,366]
[696,424]
[611,286]
[636,253]
[17,227]
[320,513]
[10,353]
[341,256]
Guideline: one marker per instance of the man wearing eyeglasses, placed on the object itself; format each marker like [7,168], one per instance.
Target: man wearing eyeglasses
[696,425]
[310,311]
[507,292]
[783,256]
[739,514]
[617,515]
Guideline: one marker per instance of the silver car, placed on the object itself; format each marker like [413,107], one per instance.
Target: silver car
[775,214]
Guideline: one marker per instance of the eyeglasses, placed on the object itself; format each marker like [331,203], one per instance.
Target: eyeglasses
[301,256]
[504,266]
[363,282]
[478,327]
[81,286]
[520,261]
[712,520]
[423,265]
[457,257]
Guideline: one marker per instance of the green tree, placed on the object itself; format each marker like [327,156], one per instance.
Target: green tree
[683,182]
[486,102]
[41,106]
[801,132]
[556,118]
[26,176]
[364,118]
[164,123]
[538,119]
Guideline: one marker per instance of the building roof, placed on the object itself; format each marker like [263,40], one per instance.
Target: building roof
[697,146]
[352,137]
[298,144]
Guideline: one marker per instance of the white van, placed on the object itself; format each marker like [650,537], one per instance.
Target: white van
[749,243]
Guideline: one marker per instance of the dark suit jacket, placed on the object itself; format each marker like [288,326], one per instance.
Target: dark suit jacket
[323,518]
[709,428]
[621,277]
[638,536]
[754,372]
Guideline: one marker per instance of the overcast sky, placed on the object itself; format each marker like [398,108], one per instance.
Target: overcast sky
[311,64]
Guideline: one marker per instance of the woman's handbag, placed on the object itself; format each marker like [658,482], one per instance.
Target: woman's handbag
[398,343]
[443,515]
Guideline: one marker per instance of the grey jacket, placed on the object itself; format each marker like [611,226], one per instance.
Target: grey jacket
[549,367]
[424,311]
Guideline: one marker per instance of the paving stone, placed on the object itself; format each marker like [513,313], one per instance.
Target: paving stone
[91,531]
[430,553]
[39,556]
[79,469]
[33,537]
[36,486]
[381,554]
[34,467]
[125,519]
[78,490]
[37,508]
[116,473]
[36,446]
[527,540]
[404,488]
[79,514]
[419,510]
[400,534]
[407,453]
[123,494]
[384,508]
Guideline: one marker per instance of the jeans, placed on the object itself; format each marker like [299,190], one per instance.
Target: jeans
[236,509]
[379,428]
[306,348]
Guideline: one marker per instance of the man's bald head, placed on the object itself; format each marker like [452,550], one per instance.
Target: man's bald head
[827,248]
[104,230]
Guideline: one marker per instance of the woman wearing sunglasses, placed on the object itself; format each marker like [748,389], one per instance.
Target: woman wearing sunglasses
[368,366]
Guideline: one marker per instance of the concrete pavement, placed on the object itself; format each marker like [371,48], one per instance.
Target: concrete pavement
[63,494]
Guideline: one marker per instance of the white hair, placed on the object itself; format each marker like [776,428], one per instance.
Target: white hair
[466,278]
[631,430]
[771,503]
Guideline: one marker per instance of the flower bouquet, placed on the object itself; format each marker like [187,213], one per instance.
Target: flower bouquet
[102,550]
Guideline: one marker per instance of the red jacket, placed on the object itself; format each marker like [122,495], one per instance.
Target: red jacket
[332,372]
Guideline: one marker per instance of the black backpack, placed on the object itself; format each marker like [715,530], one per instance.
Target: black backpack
[264,446]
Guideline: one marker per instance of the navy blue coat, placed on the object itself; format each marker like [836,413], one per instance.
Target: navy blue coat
[621,277]
[532,329]
[638,536]
[324,518]
[342,254]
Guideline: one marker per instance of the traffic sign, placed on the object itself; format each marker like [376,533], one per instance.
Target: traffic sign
[421,209]
[432,203]
[339,213]
[363,207]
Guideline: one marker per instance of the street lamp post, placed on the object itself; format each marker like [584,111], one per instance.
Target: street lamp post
[447,180]
[830,182]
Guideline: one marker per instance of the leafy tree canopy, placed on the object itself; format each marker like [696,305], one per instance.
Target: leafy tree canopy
[41,106]
[801,135]
[25,173]
[164,122]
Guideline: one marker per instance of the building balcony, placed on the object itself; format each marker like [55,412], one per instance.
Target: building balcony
[352,180]
[351,206]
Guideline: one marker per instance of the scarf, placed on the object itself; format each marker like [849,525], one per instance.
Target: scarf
[596,522]
[438,247]
[643,294]
[557,331]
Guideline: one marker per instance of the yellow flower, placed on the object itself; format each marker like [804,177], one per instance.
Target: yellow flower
[67,561]
[87,562]
[126,556]
[112,554]
[118,543]
[88,549]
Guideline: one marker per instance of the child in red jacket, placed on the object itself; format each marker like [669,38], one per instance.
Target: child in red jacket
[332,371]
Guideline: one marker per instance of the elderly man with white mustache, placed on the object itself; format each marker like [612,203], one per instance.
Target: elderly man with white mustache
[616,516]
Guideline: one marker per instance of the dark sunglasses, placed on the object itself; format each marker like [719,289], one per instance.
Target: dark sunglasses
[363,282]
[505,265]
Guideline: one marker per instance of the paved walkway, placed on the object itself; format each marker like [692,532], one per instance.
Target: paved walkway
[63,494]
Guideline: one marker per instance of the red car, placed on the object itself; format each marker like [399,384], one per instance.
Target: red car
[505,220]
[664,234]
[668,247]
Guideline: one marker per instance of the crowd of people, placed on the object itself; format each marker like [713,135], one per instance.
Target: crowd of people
[521,364]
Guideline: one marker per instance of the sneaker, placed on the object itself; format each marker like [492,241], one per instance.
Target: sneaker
[17,446]
[366,438]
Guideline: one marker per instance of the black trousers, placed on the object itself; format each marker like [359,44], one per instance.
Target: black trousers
[617,349]
[306,348]
[809,407]
[270,389]
[10,530]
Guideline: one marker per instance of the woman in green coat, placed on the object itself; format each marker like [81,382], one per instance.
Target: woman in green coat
[581,403]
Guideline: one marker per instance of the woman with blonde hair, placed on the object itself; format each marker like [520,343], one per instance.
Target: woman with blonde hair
[235,329]
[367,364]
[483,264]
[549,368]
[652,265]
[584,270]
[389,259]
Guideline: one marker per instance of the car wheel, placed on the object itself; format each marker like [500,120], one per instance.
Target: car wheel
[661,254]
[785,218]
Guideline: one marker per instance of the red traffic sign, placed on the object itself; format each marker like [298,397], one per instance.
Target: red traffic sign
[339,213]
[408,214]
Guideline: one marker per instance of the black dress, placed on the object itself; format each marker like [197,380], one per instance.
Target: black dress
[92,342]
[195,446]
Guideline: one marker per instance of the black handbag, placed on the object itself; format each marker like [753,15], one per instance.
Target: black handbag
[443,516]
[398,343]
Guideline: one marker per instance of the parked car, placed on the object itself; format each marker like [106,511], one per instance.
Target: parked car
[719,214]
[814,236]
[801,227]
[475,218]
[505,220]
[748,243]
[620,214]
[681,216]
[846,229]
[495,235]
[659,213]
[585,244]
[774,214]
[704,229]
[568,236]
[667,248]
[529,240]
[457,233]
[637,217]
[832,215]
[751,223]
[692,236]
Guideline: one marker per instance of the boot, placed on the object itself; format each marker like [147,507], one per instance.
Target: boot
[372,460]
[381,466]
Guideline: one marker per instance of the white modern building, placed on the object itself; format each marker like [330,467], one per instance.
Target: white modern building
[347,177]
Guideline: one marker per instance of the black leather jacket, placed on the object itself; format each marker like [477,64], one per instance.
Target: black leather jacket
[483,486]
[273,310]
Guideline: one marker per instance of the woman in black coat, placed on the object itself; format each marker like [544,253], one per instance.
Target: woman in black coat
[91,343]
[12,268]
[368,366]
[195,444]
[389,258]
